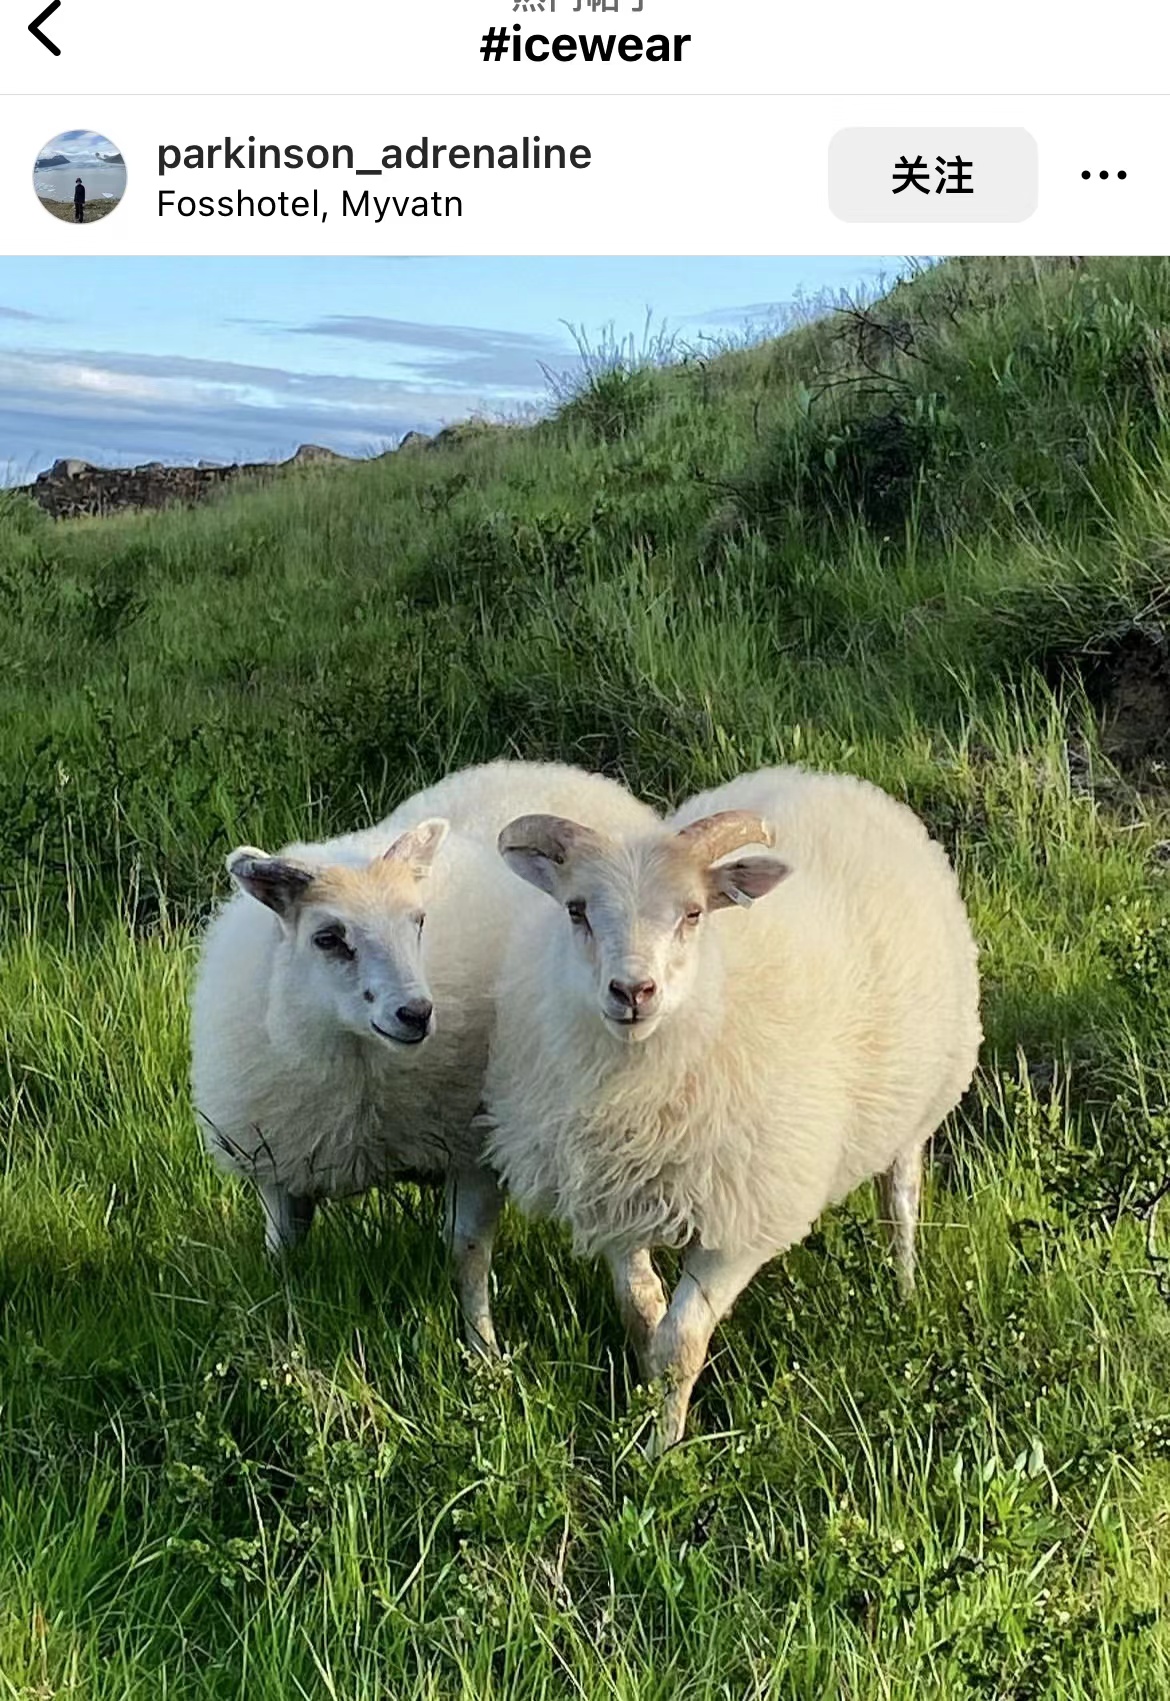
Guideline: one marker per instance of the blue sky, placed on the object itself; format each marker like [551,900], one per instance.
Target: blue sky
[120,361]
[80,146]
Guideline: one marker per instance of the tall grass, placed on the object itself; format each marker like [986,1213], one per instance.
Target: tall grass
[865,544]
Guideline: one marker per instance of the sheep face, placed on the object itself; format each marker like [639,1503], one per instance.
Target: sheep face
[637,910]
[353,936]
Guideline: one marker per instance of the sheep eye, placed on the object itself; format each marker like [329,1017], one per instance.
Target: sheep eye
[693,915]
[418,922]
[576,911]
[331,939]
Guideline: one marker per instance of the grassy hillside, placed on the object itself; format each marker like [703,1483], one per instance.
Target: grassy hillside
[880,543]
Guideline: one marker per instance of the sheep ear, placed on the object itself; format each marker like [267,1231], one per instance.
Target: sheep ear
[418,846]
[271,880]
[536,847]
[744,881]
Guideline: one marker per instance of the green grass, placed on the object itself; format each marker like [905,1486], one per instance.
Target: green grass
[65,211]
[865,545]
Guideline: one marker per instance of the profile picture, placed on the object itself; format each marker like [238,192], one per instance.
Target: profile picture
[79,176]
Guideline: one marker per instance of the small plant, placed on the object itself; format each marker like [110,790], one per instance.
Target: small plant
[611,392]
[1137,948]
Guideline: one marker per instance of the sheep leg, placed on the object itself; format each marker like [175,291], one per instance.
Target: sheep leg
[708,1287]
[641,1301]
[899,1193]
[288,1217]
[473,1201]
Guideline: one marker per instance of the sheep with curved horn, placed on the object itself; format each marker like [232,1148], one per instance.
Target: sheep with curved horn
[703,1045]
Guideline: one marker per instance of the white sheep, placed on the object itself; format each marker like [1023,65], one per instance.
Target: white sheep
[670,1070]
[336,1042]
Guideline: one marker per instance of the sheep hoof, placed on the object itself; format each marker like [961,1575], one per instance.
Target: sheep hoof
[480,1339]
[662,1437]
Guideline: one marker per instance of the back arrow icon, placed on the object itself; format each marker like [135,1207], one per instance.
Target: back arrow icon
[35,28]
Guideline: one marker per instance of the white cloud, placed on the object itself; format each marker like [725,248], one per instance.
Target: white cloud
[121,409]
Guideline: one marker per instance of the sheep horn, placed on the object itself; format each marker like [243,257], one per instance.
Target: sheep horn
[717,835]
[550,836]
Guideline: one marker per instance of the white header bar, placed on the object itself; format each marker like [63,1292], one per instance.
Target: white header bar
[237,46]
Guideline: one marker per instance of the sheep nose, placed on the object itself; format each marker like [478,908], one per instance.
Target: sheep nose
[633,993]
[416,1014]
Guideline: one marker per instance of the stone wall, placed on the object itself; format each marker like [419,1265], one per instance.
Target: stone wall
[69,489]
[72,488]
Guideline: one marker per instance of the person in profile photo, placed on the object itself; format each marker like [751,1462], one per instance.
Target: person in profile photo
[79,177]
